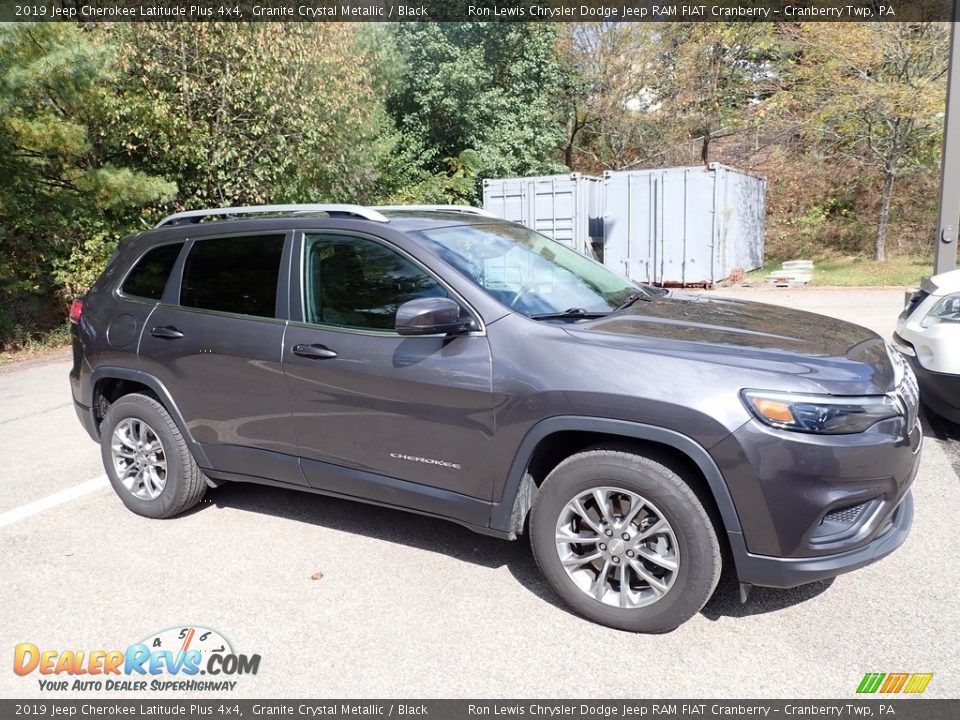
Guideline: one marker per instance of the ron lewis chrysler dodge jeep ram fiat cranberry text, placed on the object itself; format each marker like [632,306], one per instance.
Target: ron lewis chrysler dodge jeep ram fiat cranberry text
[456,365]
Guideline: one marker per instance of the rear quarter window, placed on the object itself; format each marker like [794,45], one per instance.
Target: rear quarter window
[149,276]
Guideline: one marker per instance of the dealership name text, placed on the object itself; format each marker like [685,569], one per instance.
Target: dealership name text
[662,12]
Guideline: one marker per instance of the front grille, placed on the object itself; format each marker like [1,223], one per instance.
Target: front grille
[907,392]
[847,515]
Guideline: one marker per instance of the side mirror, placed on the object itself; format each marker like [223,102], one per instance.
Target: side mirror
[430,316]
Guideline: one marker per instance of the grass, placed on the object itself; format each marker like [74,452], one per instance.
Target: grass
[49,344]
[848,271]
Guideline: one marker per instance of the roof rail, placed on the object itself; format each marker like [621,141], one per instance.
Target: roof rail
[466,209]
[195,216]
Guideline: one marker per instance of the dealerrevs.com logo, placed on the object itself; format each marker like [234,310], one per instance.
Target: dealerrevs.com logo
[191,658]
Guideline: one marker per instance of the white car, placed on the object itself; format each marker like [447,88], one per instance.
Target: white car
[928,334]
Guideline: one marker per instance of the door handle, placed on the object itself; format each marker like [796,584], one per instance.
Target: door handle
[168,332]
[314,352]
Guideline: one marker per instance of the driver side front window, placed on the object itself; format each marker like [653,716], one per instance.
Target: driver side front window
[354,282]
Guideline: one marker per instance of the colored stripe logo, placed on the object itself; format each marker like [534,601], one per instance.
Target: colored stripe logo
[889,683]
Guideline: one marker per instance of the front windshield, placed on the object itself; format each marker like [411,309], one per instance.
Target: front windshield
[528,272]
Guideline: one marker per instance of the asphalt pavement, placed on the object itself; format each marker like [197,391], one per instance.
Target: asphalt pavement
[342,599]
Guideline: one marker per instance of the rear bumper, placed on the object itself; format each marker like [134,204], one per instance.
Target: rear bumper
[790,572]
[85,416]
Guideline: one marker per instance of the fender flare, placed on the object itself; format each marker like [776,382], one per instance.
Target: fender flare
[139,376]
[505,513]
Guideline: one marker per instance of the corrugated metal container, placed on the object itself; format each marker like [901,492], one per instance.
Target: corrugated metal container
[683,226]
[559,206]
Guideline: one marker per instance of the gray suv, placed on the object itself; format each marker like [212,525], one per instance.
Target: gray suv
[449,363]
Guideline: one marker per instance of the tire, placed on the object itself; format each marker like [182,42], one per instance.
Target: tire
[682,534]
[174,482]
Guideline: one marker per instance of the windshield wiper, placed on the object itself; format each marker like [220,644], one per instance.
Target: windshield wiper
[569,314]
[634,297]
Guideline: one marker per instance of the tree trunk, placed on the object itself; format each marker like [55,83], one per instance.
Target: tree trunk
[880,249]
[573,129]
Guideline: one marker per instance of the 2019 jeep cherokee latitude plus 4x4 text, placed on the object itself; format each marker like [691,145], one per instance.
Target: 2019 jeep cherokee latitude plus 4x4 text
[464,367]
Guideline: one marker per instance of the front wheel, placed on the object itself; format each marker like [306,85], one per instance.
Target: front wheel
[625,541]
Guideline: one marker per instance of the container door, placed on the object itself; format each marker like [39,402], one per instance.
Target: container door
[744,215]
[616,225]
[504,198]
[697,265]
[632,222]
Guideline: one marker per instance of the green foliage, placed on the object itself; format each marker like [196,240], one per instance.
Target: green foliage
[253,113]
[62,176]
[487,88]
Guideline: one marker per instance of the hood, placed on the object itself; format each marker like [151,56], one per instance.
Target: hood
[842,358]
[943,284]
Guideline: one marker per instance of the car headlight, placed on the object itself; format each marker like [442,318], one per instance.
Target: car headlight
[822,414]
[947,310]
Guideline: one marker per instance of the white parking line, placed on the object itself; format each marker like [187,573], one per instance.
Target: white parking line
[50,501]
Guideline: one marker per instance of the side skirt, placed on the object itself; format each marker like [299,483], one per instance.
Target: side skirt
[372,489]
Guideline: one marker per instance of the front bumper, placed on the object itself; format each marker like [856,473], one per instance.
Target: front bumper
[815,506]
[938,391]
[790,572]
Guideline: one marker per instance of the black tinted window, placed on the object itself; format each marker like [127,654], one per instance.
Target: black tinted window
[149,276]
[353,282]
[233,274]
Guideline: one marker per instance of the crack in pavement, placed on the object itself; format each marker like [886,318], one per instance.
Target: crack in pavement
[34,414]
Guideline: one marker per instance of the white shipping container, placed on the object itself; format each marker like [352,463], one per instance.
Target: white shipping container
[683,226]
[559,206]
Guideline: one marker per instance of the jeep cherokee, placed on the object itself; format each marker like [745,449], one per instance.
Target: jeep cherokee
[449,363]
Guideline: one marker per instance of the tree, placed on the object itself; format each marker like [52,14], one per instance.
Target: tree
[713,73]
[873,93]
[482,87]
[643,92]
[252,113]
[609,99]
[66,189]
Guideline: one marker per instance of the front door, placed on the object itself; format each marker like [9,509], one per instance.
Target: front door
[417,409]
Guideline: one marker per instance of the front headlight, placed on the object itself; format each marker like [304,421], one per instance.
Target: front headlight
[822,414]
[947,310]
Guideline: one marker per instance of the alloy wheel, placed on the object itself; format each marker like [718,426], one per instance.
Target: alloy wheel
[617,547]
[139,459]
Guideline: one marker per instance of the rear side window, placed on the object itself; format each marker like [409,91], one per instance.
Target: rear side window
[149,276]
[233,274]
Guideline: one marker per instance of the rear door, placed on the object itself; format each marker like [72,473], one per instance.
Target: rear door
[417,409]
[216,343]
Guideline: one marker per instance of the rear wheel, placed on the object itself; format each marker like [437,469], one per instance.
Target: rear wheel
[147,459]
[625,541]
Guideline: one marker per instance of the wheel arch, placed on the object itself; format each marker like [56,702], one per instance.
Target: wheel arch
[130,380]
[509,513]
